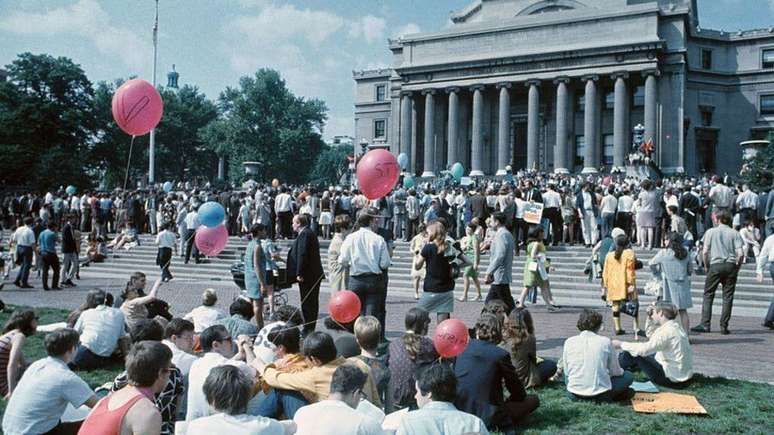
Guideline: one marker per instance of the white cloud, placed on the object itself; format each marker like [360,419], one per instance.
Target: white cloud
[369,27]
[409,29]
[84,18]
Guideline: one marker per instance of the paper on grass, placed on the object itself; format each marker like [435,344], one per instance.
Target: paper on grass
[667,403]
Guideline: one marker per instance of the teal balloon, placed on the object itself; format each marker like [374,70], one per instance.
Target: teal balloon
[211,214]
[403,160]
[168,186]
[457,171]
[71,190]
[408,182]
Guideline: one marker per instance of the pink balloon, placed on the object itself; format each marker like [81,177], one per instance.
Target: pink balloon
[137,107]
[211,241]
[377,173]
[344,306]
[450,338]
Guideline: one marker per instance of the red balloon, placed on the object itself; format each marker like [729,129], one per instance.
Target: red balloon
[450,338]
[211,241]
[344,306]
[377,173]
[137,107]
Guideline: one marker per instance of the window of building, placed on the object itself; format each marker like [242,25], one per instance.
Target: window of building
[610,100]
[767,105]
[706,118]
[580,146]
[608,149]
[380,92]
[580,103]
[768,58]
[706,58]
[639,96]
[379,128]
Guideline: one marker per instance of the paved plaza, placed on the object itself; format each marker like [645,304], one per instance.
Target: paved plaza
[745,354]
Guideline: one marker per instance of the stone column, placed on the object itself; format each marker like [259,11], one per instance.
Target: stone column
[405,125]
[650,105]
[504,129]
[454,127]
[414,157]
[619,121]
[221,168]
[591,152]
[533,124]
[560,152]
[477,151]
[429,143]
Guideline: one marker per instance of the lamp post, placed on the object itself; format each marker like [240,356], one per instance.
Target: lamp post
[152,146]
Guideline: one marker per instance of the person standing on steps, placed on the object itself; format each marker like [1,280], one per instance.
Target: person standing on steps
[24,240]
[305,265]
[191,224]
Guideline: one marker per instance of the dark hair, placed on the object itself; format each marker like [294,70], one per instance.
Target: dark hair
[347,379]
[146,330]
[621,243]
[496,307]
[676,245]
[416,321]
[287,313]
[212,334]
[320,345]
[228,389]
[177,327]
[724,217]
[535,234]
[303,220]
[439,380]
[518,326]
[666,309]
[60,341]
[95,298]
[488,329]
[287,336]
[499,217]
[341,223]
[21,320]
[589,320]
[646,184]
[209,297]
[29,221]
[144,362]
[242,307]
[672,209]
[257,229]
[364,220]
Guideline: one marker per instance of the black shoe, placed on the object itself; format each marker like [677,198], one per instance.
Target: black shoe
[700,329]
[56,288]
[46,288]
[26,286]
[620,332]
[1,286]
[17,283]
[769,325]
[78,275]
[724,331]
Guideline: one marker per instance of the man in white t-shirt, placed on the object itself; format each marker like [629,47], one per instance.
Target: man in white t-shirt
[337,414]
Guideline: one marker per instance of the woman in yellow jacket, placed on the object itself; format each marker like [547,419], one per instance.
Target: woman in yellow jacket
[619,281]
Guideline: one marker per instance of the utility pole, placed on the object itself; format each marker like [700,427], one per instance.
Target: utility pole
[152,150]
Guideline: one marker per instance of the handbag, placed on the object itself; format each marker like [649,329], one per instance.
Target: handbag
[630,307]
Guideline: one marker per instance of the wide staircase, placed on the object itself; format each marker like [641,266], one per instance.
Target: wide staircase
[570,286]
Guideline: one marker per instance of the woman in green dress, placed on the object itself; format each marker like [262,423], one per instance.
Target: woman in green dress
[536,269]
[470,245]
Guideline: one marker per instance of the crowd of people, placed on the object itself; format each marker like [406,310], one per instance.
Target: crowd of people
[287,374]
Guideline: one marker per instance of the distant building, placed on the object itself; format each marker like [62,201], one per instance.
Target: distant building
[341,140]
[559,85]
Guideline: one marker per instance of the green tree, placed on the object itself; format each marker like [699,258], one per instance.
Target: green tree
[46,121]
[331,165]
[265,122]
[758,171]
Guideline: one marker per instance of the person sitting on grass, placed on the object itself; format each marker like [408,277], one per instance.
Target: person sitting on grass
[206,314]
[264,348]
[368,331]
[132,410]
[413,352]
[337,414]
[519,341]
[89,304]
[228,391]
[436,392]
[168,399]
[21,325]
[288,359]
[47,387]
[666,358]
[590,364]
[179,338]
[241,311]
[103,332]
[134,306]
[484,371]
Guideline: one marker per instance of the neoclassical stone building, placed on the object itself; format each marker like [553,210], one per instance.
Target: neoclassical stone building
[560,84]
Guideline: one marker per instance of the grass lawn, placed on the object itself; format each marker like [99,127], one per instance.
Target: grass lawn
[733,406]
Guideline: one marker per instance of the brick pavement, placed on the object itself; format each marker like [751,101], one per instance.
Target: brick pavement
[748,353]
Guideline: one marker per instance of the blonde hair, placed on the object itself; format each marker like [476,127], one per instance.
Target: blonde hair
[209,297]
[437,234]
[368,331]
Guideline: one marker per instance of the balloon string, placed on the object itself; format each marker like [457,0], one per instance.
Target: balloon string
[128,162]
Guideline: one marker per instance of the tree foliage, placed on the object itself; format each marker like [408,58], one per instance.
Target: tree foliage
[758,171]
[331,165]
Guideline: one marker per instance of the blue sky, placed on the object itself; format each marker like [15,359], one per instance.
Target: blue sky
[315,44]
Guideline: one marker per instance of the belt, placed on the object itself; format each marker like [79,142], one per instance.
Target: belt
[366,275]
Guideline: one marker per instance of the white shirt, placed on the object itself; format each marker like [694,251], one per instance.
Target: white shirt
[204,317]
[766,255]
[180,358]
[589,360]
[440,418]
[334,417]
[235,424]
[262,347]
[364,251]
[552,199]
[625,204]
[609,204]
[282,203]
[670,344]
[166,239]
[23,236]
[192,220]
[75,203]
[197,403]
[100,329]
[747,199]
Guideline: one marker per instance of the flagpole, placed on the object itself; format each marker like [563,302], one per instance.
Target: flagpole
[152,146]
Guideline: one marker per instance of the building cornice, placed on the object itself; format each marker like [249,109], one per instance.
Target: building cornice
[372,73]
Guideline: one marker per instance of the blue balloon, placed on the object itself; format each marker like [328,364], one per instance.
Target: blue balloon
[403,160]
[211,214]
[457,171]
[168,186]
[408,182]
[71,190]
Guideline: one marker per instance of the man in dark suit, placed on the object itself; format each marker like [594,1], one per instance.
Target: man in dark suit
[478,207]
[304,264]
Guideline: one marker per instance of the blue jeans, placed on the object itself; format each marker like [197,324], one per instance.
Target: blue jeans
[770,313]
[85,359]
[649,366]
[606,224]
[619,390]
[25,253]
[280,402]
